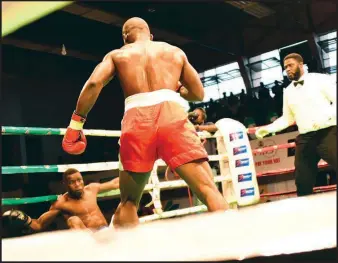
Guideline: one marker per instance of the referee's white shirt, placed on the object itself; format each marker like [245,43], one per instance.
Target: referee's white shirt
[311,105]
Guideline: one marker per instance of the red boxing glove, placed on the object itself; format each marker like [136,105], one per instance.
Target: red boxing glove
[74,141]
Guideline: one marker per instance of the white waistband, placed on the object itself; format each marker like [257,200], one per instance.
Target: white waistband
[154,97]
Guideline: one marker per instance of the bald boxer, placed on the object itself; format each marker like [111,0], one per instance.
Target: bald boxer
[155,123]
[78,206]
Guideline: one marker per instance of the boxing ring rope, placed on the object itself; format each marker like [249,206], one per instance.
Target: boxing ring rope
[104,166]
[152,188]
[13,130]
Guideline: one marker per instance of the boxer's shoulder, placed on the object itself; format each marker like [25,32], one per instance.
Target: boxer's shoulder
[165,44]
[61,199]
[112,54]
[169,47]
[57,206]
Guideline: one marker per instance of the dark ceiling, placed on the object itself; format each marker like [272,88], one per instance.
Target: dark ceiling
[211,34]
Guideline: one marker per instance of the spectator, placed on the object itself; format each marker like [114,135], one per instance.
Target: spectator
[243,97]
[198,118]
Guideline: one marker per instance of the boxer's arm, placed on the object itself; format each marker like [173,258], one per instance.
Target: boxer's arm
[100,77]
[191,81]
[111,185]
[208,128]
[44,220]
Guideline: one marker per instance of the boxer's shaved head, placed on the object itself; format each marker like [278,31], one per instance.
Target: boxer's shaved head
[135,29]
[135,23]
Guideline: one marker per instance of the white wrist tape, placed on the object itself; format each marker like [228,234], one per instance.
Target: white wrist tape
[76,125]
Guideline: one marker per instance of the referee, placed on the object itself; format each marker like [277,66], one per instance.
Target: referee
[310,101]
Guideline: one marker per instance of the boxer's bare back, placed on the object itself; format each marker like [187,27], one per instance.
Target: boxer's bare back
[148,66]
[142,65]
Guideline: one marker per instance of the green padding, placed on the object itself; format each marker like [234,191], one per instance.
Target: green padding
[47,198]
[29,169]
[28,200]
[29,131]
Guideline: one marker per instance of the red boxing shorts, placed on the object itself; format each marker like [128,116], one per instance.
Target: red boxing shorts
[156,126]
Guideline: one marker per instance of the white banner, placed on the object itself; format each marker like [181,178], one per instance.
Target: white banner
[240,160]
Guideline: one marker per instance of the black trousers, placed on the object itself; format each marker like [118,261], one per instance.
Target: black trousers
[310,148]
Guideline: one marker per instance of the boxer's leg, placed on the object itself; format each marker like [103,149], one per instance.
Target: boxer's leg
[138,155]
[74,222]
[198,175]
[131,189]
[181,148]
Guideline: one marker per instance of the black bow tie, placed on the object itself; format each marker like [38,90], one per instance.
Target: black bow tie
[301,82]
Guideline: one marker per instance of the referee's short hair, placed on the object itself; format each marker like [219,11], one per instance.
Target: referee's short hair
[295,56]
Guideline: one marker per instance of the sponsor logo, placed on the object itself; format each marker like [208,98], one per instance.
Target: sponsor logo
[242,162]
[247,192]
[245,177]
[266,143]
[239,150]
[236,136]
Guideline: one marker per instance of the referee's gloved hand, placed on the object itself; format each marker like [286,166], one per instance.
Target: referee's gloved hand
[262,132]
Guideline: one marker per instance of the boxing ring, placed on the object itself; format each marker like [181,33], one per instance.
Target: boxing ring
[298,224]
[294,225]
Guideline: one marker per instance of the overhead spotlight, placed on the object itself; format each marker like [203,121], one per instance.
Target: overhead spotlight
[63,50]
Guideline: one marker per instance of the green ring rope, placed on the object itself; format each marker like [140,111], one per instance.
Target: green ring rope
[29,169]
[10,130]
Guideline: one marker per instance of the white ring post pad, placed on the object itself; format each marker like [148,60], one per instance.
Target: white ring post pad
[241,163]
